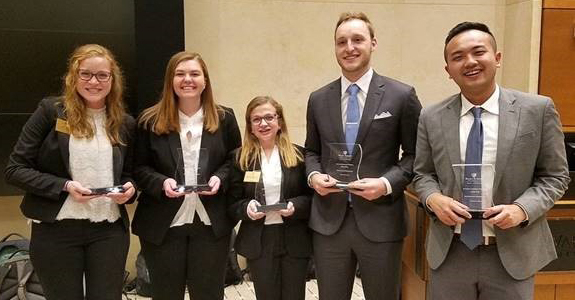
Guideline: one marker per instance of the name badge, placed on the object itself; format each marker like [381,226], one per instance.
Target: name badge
[62,126]
[252,176]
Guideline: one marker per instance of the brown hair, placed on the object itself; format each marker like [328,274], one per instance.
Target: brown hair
[250,151]
[162,118]
[74,105]
[348,16]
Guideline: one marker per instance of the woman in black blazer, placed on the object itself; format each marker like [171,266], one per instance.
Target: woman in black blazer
[185,139]
[70,144]
[269,170]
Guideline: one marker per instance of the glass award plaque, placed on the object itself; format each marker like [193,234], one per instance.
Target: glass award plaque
[106,190]
[344,162]
[189,171]
[476,187]
[260,195]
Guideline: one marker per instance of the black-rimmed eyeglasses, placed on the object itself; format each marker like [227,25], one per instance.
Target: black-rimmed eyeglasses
[100,76]
[267,118]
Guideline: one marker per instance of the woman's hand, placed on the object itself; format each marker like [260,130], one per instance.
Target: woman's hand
[288,212]
[78,192]
[169,185]
[121,198]
[214,183]
[252,210]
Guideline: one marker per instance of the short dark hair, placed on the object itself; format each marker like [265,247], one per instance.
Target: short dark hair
[348,16]
[466,26]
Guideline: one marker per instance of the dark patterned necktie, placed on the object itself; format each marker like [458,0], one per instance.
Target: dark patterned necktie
[471,231]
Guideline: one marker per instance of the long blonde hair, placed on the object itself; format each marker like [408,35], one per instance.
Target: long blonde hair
[250,152]
[162,118]
[74,105]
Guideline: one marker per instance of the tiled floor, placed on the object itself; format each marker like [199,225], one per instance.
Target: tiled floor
[245,291]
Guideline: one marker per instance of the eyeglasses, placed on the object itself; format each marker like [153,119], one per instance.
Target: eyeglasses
[100,76]
[268,118]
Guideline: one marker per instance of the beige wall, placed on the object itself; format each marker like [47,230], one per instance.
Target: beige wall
[285,48]
[522,44]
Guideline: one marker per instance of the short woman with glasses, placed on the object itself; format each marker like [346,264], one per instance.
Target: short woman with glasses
[272,199]
[71,149]
[182,162]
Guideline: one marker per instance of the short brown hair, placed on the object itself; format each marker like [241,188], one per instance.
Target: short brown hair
[348,16]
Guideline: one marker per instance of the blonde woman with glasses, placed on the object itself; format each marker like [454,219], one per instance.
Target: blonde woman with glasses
[272,199]
[73,159]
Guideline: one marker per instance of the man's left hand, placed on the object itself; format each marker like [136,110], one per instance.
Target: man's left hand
[506,216]
[368,188]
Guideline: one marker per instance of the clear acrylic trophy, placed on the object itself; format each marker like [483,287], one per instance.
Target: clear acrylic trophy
[260,195]
[476,187]
[190,177]
[344,163]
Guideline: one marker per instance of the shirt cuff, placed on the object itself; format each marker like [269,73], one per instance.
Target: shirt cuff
[426,202]
[65,188]
[387,185]
[309,177]
[248,208]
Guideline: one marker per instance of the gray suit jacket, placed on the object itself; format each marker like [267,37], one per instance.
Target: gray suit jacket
[531,170]
[383,219]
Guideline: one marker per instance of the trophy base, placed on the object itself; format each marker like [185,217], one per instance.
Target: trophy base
[192,188]
[342,185]
[106,190]
[478,214]
[272,207]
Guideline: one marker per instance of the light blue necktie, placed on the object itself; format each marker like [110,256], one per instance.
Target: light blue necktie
[352,120]
[471,231]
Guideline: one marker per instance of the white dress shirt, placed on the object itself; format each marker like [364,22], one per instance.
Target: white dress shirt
[191,129]
[91,164]
[272,179]
[363,84]
[490,121]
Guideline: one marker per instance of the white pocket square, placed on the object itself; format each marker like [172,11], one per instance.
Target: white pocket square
[382,115]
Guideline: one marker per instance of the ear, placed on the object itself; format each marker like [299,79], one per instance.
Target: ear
[373,44]
[447,70]
[498,57]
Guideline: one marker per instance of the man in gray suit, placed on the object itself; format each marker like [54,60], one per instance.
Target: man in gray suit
[367,223]
[517,133]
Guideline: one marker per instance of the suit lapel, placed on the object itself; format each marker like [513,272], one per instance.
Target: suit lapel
[175,147]
[63,138]
[284,180]
[372,103]
[333,106]
[259,186]
[450,128]
[508,125]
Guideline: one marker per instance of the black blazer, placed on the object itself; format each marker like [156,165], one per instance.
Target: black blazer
[388,123]
[39,163]
[294,188]
[156,158]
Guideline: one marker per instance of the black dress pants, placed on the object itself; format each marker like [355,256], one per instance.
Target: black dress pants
[276,274]
[190,255]
[65,251]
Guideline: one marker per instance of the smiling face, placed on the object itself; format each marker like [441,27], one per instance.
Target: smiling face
[472,63]
[353,47]
[189,81]
[264,124]
[92,91]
